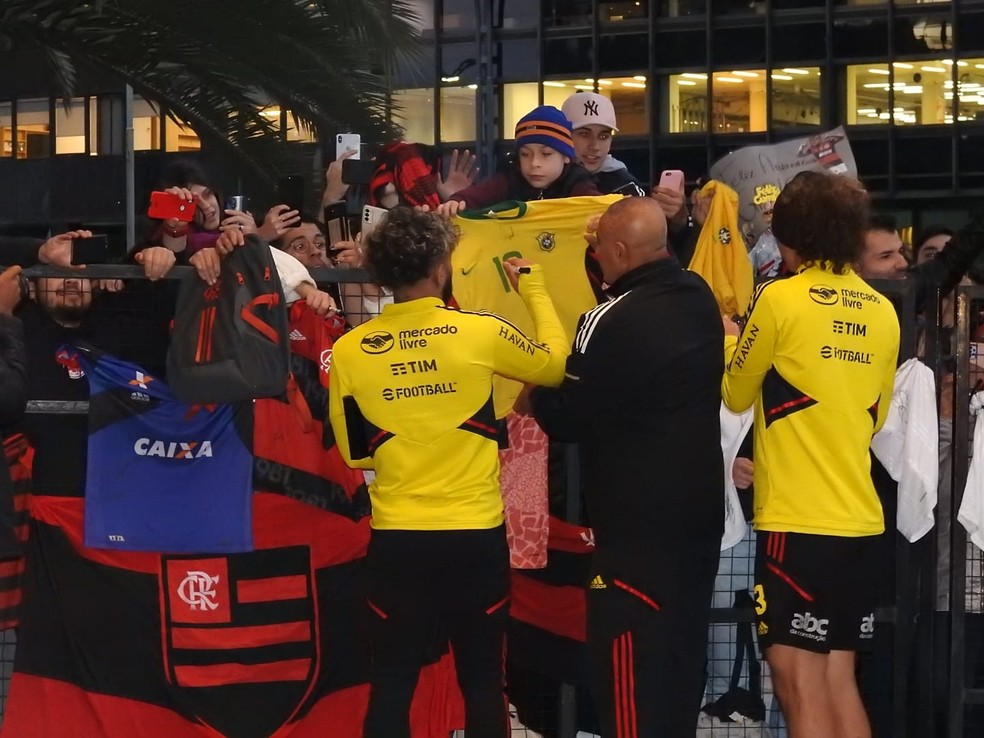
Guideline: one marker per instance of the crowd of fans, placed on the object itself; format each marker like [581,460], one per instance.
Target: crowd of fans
[642,396]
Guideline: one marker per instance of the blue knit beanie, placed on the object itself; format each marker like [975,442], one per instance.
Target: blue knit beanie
[548,126]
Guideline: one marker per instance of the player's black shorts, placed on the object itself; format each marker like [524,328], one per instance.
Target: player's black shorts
[815,592]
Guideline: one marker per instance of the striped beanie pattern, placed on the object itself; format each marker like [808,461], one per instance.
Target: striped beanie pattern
[548,126]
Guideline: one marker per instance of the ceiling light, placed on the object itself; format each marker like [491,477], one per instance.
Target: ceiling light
[455,78]
[793,70]
[686,82]
[781,76]
[863,111]
[730,80]
[878,71]
[553,84]
[694,75]
[636,85]
[745,74]
[604,81]
[901,65]
[639,77]
[472,87]
[583,87]
[933,69]
[877,86]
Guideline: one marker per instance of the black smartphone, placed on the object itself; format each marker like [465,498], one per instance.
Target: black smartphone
[290,191]
[357,171]
[94,250]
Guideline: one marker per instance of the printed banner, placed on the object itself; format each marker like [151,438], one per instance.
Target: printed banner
[758,173]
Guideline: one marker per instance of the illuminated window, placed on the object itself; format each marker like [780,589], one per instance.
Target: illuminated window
[795,97]
[70,126]
[7,147]
[517,100]
[687,103]
[414,111]
[33,134]
[271,114]
[677,8]
[146,125]
[623,10]
[630,98]
[179,137]
[739,101]
[296,131]
[923,92]
[458,113]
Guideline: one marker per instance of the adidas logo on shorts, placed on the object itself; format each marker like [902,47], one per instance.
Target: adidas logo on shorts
[598,583]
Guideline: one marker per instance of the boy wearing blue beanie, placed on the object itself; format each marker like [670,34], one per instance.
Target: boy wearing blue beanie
[543,169]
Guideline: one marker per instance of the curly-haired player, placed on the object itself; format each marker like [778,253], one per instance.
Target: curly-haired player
[411,398]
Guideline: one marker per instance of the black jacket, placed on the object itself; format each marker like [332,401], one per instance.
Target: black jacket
[13,400]
[618,181]
[949,266]
[642,396]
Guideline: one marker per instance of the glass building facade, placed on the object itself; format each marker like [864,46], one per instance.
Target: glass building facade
[691,80]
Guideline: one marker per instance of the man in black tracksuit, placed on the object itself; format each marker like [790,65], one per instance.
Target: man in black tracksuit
[642,398]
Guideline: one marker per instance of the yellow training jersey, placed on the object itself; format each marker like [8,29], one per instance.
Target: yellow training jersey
[549,232]
[411,397]
[817,358]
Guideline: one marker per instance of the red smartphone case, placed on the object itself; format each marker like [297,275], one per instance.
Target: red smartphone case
[164,205]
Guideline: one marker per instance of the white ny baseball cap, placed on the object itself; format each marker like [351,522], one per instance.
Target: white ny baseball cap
[589,108]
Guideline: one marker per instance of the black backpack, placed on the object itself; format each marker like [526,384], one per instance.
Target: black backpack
[230,339]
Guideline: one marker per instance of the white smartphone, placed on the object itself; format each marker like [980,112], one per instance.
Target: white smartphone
[348,142]
[371,218]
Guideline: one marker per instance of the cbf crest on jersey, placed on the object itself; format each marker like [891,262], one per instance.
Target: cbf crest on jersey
[547,241]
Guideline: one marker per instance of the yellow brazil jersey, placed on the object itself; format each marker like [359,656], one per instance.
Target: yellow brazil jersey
[817,358]
[411,397]
[549,232]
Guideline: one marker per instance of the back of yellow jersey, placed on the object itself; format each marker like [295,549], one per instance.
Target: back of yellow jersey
[817,357]
[549,232]
[411,397]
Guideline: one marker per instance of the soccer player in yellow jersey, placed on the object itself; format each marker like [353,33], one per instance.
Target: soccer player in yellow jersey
[817,359]
[411,398]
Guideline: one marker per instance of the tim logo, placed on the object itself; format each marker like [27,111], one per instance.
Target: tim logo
[70,360]
[141,380]
[377,342]
[823,295]
[198,590]
[590,107]
[547,241]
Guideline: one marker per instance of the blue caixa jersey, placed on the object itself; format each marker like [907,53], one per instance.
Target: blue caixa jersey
[163,475]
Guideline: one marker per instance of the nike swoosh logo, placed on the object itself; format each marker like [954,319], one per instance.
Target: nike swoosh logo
[466,272]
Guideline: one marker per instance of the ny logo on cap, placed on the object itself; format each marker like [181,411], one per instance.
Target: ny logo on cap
[591,107]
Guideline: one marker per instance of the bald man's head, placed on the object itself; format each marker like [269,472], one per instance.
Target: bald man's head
[632,232]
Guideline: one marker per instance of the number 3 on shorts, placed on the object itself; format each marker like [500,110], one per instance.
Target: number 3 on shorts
[759,600]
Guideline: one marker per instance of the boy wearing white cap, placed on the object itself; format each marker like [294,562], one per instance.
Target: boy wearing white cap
[593,119]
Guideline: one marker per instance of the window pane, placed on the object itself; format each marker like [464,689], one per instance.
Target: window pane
[567,56]
[93,126]
[630,98]
[414,110]
[677,8]
[7,147]
[861,37]
[799,42]
[623,10]
[32,127]
[739,101]
[867,94]
[517,100]
[687,103]
[923,34]
[796,97]
[180,137]
[298,132]
[425,14]
[458,113]
[459,15]
[70,127]
[555,91]
[970,81]
[621,53]
[725,53]
[519,14]
[739,7]
[146,126]
[681,49]
[567,12]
